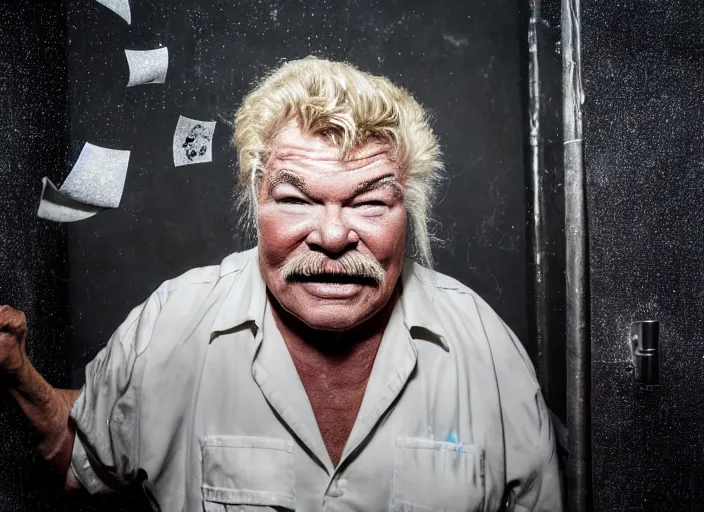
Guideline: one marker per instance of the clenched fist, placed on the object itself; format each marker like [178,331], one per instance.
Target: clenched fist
[13,337]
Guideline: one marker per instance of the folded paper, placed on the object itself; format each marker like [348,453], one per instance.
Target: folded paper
[95,183]
[59,208]
[193,141]
[119,7]
[147,67]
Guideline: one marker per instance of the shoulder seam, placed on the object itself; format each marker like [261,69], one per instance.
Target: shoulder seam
[459,287]
[453,289]
[210,275]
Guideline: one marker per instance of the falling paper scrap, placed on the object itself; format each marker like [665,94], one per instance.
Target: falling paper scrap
[119,7]
[147,67]
[193,141]
[94,184]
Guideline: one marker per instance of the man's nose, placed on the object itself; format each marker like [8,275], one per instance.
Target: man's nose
[332,233]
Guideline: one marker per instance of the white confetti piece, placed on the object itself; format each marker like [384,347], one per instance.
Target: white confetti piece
[95,183]
[193,141]
[54,206]
[147,67]
[119,7]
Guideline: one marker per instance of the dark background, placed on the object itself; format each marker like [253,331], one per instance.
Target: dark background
[33,269]
[643,71]
[64,77]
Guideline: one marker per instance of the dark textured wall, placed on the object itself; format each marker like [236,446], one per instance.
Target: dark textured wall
[643,70]
[33,254]
[33,107]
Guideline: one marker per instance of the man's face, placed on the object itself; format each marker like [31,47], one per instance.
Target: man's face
[331,233]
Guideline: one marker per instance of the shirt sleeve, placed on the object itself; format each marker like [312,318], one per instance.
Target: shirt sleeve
[106,413]
[532,471]
[535,481]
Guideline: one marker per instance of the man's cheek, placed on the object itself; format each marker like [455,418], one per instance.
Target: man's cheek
[384,240]
[278,238]
[268,229]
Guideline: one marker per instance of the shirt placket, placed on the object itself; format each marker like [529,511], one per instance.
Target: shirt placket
[393,366]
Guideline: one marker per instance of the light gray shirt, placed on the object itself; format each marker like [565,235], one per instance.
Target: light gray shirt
[197,393]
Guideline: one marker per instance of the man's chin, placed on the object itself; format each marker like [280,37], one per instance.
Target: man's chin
[326,306]
[327,326]
[328,316]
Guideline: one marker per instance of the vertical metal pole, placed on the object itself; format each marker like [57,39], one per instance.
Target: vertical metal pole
[576,252]
[536,206]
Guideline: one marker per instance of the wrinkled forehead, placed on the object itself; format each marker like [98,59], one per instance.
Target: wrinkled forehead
[296,151]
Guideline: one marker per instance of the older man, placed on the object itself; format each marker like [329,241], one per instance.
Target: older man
[318,371]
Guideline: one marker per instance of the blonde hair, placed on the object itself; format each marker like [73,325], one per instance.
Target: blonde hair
[350,108]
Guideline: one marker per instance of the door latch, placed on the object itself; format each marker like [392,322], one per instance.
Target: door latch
[645,351]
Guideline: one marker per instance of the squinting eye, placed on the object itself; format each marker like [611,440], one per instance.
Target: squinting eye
[292,200]
[372,203]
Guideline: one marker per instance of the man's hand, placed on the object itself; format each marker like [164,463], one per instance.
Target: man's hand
[13,339]
[47,408]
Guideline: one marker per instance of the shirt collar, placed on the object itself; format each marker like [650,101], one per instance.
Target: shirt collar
[245,302]
[417,301]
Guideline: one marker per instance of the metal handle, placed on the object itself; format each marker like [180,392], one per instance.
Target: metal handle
[645,351]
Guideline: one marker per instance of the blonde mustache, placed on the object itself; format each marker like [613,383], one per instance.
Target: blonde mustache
[351,264]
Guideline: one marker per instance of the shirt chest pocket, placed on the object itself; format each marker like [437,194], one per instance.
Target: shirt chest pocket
[242,473]
[436,476]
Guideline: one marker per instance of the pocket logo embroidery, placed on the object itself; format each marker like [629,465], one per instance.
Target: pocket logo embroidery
[452,438]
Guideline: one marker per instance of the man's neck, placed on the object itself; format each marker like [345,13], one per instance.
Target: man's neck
[334,368]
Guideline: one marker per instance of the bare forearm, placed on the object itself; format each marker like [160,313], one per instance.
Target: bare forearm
[48,410]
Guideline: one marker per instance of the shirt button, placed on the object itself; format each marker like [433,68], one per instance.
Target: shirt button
[337,489]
